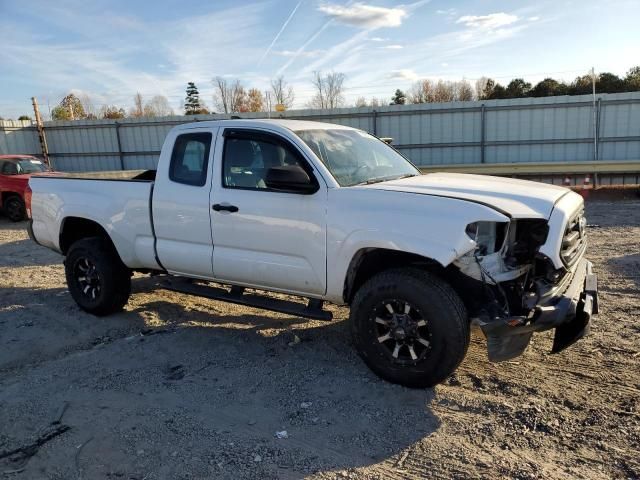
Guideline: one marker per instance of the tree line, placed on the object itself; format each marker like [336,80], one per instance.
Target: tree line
[430,91]
[232,96]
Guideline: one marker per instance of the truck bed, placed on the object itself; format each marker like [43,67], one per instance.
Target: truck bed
[119,202]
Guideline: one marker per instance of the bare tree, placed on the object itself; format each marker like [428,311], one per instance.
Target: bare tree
[444,91]
[138,106]
[360,102]
[282,92]
[372,102]
[426,91]
[464,92]
[329,90]
[230,96]
[222,98]
[481,87]
[158,106]
[87,105]
[422,92]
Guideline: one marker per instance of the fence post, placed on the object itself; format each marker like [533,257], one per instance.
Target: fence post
[41,134]
[597,130]
[120,155]
[375,122]
[596,143]
[482,133]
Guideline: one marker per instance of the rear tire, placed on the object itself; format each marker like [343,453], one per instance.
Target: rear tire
[96,277]
[15,209]
[410,327]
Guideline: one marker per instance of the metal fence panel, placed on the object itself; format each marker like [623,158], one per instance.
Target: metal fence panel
[140,162]
[18,136]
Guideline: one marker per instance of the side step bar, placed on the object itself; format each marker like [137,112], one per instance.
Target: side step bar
[236,295]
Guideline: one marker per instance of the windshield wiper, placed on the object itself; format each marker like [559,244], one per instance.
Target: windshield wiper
[406,176]
[372,180]
[384,179]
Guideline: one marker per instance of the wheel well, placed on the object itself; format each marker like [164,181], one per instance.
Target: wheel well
[369,261]
[75,228]
[7,195]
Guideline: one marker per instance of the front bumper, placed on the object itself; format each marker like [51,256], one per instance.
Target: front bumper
[568,312]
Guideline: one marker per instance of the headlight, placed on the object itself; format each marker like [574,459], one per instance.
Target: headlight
[488,236]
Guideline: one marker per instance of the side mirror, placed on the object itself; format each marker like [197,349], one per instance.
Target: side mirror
[291,179]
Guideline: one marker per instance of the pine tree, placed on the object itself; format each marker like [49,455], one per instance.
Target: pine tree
[192,104]
[399,98]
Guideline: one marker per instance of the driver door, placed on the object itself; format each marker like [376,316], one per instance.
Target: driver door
[265,238]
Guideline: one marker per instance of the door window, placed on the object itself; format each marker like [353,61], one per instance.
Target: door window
[246,160]
[190,158]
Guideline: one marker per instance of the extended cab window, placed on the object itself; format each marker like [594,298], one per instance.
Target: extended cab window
[9,168]
[246,160]
[190,158]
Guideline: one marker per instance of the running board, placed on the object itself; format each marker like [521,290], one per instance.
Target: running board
[236,295]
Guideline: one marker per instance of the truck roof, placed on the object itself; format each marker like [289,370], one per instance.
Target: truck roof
[279,123]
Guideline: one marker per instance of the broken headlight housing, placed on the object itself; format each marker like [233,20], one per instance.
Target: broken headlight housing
[489,236]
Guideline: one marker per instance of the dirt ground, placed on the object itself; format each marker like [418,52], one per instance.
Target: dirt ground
[181,387]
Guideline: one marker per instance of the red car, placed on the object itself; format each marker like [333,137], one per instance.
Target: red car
[15,171]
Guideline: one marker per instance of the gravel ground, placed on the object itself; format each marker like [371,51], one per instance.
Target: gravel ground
[181,387]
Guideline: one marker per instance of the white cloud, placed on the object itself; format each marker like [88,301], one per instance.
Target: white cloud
[109,68]
[449,12]
[533,19]
[364,16]
[488,22]
[393,47]
[403,74]
[378,39]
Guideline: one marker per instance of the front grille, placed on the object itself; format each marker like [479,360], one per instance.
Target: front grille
[574,240]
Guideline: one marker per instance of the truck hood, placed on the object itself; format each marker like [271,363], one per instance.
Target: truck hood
[516,198]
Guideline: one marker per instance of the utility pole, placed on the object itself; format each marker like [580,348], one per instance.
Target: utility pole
[595,115]
[41,134]
[267,94]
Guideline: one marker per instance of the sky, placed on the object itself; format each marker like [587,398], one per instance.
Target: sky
[111,49]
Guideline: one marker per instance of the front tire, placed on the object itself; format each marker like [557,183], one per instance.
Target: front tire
[410,327]
[96,277]
[15,209]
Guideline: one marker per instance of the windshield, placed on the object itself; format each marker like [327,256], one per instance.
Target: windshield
[354,157]
[30,166]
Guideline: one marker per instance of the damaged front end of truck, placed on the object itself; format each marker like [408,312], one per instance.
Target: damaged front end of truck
[512,287]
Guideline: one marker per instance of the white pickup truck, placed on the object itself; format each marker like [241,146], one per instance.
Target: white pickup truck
[330,213]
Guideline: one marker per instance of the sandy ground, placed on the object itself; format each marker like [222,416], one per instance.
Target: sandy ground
[205,394]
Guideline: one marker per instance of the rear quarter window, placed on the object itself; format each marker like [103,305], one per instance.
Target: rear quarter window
[190,158]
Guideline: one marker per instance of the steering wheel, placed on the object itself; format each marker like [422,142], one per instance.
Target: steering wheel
[364,166]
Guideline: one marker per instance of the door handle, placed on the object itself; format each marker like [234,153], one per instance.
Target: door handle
[218,207]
